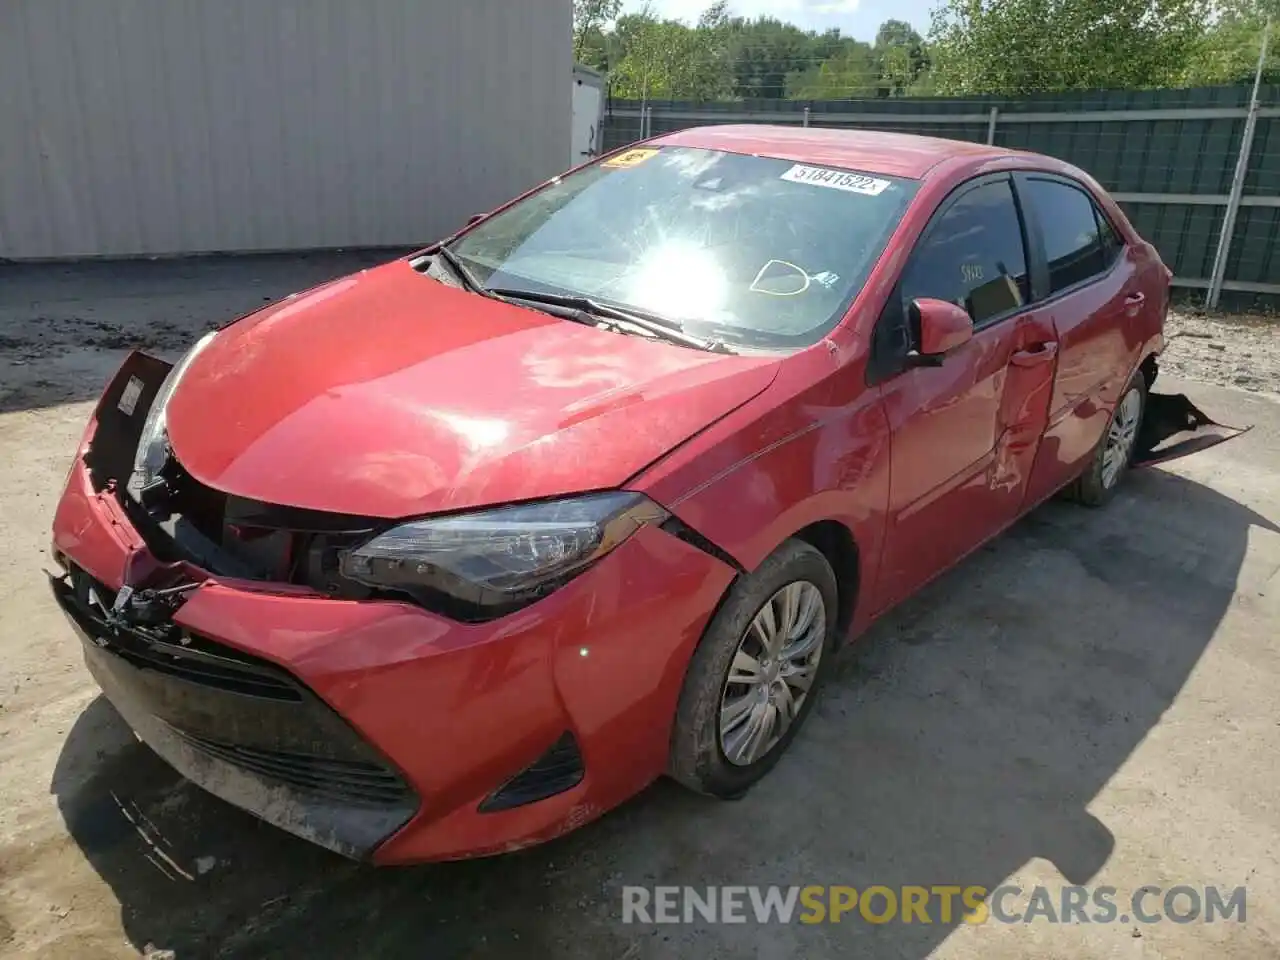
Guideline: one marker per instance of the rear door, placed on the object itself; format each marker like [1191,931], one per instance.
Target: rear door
[964,433]
[1092,293]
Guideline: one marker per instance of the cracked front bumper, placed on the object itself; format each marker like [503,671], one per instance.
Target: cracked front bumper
[242,729]
[378,728]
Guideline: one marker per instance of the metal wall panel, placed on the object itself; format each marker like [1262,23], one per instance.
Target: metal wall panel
[141,127]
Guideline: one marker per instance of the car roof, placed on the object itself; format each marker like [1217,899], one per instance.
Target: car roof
[872,151]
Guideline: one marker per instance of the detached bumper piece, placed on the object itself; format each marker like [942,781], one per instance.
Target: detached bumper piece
[242,728]
[1173,426]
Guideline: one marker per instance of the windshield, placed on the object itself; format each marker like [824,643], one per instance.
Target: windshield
[745,250]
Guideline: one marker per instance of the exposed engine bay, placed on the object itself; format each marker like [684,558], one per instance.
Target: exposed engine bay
[184,521]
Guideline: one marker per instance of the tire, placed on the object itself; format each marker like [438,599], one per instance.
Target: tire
[1098,484]
[789,580]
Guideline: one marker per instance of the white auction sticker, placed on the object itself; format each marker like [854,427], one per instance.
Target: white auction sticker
[129,396]
[836,180]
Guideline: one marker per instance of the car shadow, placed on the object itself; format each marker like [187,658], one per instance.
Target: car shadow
[964,735]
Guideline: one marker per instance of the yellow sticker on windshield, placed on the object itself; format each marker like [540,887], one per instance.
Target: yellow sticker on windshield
[630,158]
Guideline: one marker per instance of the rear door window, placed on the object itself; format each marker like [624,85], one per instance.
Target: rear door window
[1079,242]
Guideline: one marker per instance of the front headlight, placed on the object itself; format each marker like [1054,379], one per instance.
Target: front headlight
[500,559]
[153,443]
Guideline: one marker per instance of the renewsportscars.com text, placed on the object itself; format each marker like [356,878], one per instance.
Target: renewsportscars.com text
[933,904]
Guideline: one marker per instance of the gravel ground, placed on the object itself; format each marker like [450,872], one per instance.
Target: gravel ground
[1241,350]
[1090,699]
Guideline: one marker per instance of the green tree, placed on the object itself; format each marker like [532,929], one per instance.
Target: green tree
[896,33]
[1228,51]
[854,72]
[590,17]
[715,17]
[1022,46]
[765,52]
[668,60]
[722,56]
[901,55]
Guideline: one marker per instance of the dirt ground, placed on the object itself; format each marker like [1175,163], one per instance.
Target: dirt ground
[1241,351]
[1091,699]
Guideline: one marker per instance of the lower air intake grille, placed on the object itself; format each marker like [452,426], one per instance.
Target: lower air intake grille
[208,664]
[556,771]
[347,781]
[186,656]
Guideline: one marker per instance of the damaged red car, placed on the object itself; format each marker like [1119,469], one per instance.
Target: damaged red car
[453,555]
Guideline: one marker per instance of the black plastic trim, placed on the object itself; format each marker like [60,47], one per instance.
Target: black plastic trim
[682,531]
[352,781]
[559,769]
[1043,296]
[172,652]
[121,417]
[245,729]
[254,513]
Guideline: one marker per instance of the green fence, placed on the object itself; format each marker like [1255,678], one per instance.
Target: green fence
[1168,156]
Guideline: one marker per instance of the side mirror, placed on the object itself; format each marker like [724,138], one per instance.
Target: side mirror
[942,327]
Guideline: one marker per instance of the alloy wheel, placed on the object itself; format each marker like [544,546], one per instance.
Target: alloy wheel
[772,672]
[1121,436]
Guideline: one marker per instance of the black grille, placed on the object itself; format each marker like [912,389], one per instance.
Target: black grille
[177,653]
[206,707]
[216,670]
[556,771]
[350,781]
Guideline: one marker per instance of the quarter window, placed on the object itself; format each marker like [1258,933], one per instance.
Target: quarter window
[1111,242]
[1076,246]
[973,255]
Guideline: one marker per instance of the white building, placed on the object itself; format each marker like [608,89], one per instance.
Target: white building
[144,127]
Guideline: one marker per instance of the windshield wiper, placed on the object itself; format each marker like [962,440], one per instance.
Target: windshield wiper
[659,326]
[461,271]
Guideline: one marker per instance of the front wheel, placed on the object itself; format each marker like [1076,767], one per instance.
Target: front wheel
[752,680]
[1115,451]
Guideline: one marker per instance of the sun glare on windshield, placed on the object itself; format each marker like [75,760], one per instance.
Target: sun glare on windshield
[740,250]
[679,279]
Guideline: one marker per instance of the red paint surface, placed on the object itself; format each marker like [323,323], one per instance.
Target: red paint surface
[943,326]
[389,394]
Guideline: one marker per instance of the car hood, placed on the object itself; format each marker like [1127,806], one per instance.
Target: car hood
[389,394]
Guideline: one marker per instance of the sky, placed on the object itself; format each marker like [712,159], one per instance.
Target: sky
[855,18]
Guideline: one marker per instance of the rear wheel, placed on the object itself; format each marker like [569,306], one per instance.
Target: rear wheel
[752,680]
[1115,451]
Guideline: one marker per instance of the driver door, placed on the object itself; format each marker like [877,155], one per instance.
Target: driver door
[963,432]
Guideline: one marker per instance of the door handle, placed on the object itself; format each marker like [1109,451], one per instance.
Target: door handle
[1034,355]
[1133,302]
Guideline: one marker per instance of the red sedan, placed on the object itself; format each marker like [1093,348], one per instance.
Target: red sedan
[453,555]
